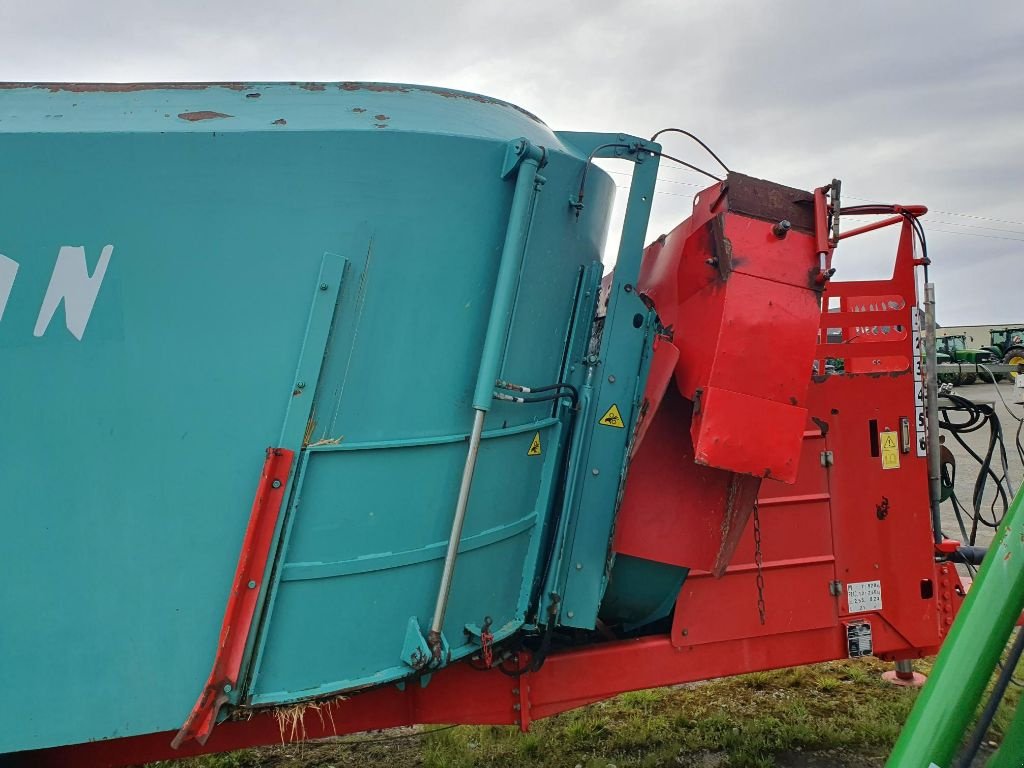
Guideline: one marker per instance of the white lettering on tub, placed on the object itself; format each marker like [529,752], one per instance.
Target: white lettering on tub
[72,284]
[8,271]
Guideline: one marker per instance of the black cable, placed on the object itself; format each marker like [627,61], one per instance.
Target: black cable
[687,133]
[688,165]
[578,205]
[979,416]
[414,734]
[573,393]
[998,691]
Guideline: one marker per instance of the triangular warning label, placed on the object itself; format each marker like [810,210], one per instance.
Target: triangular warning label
[534,446]
[612,418]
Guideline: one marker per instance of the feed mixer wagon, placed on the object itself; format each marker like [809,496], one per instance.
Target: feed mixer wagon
[318,393]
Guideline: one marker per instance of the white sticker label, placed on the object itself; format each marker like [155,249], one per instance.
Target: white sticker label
[864,596]
[920,420]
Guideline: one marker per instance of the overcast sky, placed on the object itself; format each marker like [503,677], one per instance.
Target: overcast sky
[905,102]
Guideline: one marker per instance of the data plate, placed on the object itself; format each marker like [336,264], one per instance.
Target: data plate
[858,640]
[864,596]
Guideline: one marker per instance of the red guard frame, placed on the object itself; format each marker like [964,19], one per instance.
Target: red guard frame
[242,604]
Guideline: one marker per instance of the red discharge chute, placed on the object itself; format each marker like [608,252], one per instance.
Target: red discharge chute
[737,287]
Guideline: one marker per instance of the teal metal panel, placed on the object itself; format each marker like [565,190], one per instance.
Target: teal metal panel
[617,379]
[134,439]
[375,557]
[300,413]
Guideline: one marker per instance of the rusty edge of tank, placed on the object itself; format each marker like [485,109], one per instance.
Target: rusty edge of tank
[237,86]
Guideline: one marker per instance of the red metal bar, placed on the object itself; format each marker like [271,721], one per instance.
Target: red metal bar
[871,227]
[241,608]
[821,242]
[868,210]
[461,694]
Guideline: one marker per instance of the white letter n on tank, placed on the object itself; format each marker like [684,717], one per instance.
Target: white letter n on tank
[72,283]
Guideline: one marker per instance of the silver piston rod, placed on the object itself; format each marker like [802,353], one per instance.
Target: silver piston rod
[932,408]
[528,159]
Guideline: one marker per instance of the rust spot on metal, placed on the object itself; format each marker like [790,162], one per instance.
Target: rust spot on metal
[768,201]
[443,92]
[381,117]
[721,248]
[374,87]
[121,87]
[280,121]
[478,98]
[358,109]
[312,86]
[194,117]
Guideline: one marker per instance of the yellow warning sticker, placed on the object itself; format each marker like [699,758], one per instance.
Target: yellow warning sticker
[890,450]
[612,418]
[535,446]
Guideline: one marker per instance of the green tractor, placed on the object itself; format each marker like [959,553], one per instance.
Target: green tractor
[953,349]
[1007,344]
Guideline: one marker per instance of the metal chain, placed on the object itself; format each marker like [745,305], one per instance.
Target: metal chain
[487,643]
[759,561]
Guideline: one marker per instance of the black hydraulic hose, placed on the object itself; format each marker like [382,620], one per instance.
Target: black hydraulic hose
[687,133]
[1002,682]
[969,555]
[574,393]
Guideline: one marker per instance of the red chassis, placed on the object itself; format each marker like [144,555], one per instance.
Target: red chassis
[852,517]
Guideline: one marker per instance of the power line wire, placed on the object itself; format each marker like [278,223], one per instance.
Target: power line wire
[931,226]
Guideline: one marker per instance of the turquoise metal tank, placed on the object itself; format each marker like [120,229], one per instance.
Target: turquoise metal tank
[190,273]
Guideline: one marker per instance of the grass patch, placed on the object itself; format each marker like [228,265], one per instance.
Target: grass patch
[741,722]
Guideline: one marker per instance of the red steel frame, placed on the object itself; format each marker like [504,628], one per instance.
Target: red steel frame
[245,591]
[827,529]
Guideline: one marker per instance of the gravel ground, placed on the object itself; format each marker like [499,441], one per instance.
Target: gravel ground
[967,467]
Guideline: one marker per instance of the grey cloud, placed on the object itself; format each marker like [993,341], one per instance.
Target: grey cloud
[906,102]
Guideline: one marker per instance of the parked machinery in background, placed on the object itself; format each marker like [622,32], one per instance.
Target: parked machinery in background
[1007,344]
[953,349]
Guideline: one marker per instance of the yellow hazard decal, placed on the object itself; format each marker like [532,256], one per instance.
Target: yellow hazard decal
[535,446]
[612,418]
[890,450]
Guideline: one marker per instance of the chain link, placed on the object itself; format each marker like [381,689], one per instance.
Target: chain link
[487,643]
[759,561]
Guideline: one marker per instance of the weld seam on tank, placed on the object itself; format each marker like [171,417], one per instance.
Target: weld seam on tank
[528,159]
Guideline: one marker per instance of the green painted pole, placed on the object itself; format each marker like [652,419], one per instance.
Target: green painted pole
[1011,752]
[969,655]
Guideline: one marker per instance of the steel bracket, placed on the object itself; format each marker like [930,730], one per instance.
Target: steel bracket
[415,651]
[518,150]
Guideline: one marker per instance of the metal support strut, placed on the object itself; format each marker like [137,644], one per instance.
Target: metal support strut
[932,407]
[528,159]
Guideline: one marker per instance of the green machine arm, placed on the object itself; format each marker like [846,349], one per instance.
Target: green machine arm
[968,658]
